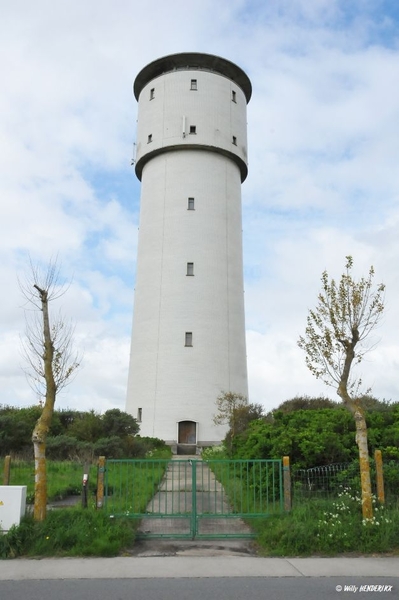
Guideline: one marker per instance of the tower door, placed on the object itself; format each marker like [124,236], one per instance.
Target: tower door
[187,432]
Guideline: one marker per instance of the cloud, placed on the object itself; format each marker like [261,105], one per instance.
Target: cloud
[323,144]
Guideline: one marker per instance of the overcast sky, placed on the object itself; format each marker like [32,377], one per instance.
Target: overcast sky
[323,137]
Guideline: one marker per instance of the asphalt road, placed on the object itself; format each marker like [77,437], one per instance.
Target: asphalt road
[199,578]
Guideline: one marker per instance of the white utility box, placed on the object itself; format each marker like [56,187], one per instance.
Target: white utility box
[12,505]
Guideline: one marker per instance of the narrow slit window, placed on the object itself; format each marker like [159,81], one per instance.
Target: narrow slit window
[234,140]
[190,205]
[190,268]
[193,129]
[193,85]
[233,96]
[152,93]
[149,140]
[189,338]
[139,415]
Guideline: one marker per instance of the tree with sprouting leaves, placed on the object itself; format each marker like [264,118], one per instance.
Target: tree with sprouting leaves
[337,336]
[50,360]
[228,406]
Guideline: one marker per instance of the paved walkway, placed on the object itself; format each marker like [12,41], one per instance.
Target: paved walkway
[194,567]
[177,495]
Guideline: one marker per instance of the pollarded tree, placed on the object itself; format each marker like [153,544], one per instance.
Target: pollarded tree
[337,336]
[51,363]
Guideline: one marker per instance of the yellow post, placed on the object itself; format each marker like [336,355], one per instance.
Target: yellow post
[287,483]
[100,481]
[6,472]
[380,476]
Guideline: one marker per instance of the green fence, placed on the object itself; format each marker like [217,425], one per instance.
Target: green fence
[193,498]
[64,478]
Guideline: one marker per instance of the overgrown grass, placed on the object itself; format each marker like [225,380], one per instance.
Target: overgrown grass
[252,487]
[85,532]
[64,478]
[322,527]
[131,485]
[69,532]
[330,528]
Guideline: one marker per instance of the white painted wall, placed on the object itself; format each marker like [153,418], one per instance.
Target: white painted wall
[168,381]
[210,108]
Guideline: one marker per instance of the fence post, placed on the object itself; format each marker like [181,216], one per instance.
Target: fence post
[6,472]
[193,464]
[287,483]
[380,476]
[100,481]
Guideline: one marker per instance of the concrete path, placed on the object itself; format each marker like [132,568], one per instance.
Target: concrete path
[177,495]
[196,567]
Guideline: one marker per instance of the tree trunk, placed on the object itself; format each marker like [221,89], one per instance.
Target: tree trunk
[39,447]
[42,426]
[40,505]
[362,444]
[364,461]
[361,425]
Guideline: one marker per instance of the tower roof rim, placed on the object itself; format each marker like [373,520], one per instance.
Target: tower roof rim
[189,61]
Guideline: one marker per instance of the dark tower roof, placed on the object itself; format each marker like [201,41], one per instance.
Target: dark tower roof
[193,60]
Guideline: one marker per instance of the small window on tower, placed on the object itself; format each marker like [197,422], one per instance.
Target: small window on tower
[234,96]
[152,93]
[190,268]
[149,138]
[189,338]
[139,415]
[193,129]
[234,140]
[190,205]
[193,84]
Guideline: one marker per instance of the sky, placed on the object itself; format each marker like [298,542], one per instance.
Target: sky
[323,183]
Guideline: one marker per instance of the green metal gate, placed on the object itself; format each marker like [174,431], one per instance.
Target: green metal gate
[193,498]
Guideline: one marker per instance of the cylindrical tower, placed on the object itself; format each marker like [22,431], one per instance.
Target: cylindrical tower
[188,340]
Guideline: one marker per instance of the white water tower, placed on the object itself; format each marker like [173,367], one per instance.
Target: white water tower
[188,340]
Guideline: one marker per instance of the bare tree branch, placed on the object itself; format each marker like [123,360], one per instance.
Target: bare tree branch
[50,361]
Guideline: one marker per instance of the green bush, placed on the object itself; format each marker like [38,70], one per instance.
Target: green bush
[65,447]
[111,447]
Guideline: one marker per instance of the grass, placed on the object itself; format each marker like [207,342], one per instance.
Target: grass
[252,488]
[330,528]
[64,478]
[84,532]
[69,532]
[131,485]
[323,527]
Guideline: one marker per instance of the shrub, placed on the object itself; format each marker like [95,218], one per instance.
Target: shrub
[111,447]
[65,447]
